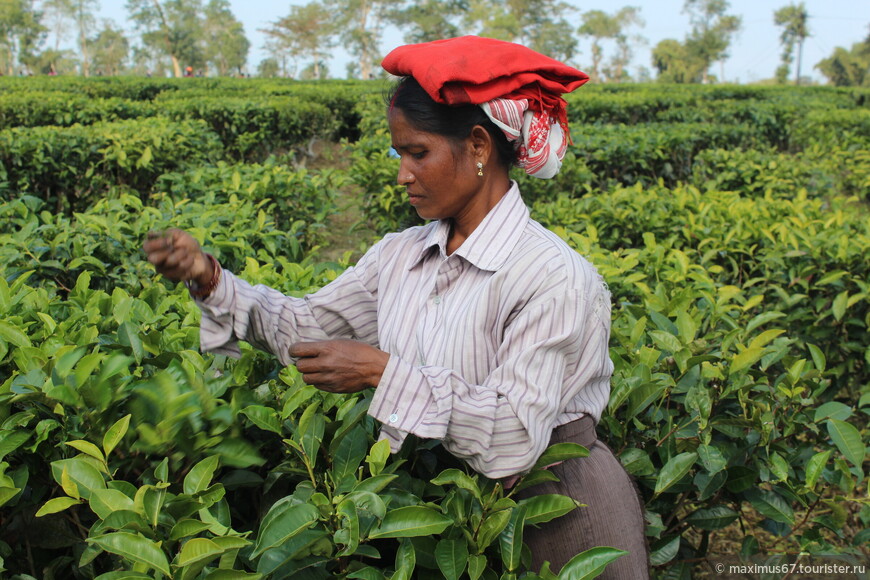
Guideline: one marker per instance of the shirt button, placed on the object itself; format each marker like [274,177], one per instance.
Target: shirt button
[437,300]
[394,418]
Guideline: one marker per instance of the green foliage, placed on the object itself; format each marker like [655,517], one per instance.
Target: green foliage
[740,349]
[71,167]
[720,217]
[252,128]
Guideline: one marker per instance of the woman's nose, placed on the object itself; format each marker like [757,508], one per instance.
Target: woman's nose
[404,176]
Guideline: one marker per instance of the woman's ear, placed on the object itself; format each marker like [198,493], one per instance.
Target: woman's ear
[481,144]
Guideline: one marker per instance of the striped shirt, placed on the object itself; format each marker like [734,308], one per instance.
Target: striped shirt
[490,347]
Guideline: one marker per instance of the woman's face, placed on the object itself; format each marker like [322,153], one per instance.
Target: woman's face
[440,175]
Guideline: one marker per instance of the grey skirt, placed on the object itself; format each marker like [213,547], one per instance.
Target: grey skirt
[613,515]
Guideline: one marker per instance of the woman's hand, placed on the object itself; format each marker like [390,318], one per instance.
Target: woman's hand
[340,366]
[177,256]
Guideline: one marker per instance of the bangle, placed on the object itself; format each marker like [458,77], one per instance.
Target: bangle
[205,291]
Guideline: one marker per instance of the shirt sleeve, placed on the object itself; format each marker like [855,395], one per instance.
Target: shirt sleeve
[272,321]
[554,349]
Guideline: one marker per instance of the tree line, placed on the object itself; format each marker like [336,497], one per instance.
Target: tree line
[204,37]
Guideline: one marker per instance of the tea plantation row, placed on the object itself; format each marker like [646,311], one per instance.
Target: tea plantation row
[729,222]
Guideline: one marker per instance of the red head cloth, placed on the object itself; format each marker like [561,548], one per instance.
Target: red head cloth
[474,70]
[501,76]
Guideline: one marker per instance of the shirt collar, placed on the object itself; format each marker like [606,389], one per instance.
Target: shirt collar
[490,244]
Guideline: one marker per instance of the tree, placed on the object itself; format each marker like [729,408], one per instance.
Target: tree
[711,32]
[110,50]
[225,44]
[81,14]
[268,68]
[20,34]
[428,20]
[542,25]
[306,33]
[848,68]
[173,28]
[793,19]
[599,26]
[361,23]
[675,64]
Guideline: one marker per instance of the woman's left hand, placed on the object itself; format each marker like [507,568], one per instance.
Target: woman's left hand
[340,366]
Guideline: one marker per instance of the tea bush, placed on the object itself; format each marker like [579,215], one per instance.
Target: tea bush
[71,167]
[722,223]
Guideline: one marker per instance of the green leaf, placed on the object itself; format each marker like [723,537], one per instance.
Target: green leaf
[494,523]
[713,518]
[712,459]
[128,335]
[818,357]
[674,470]
[13,335]
[815,466]
[87,448]
[511,539]
[283,522]
[55,505]
[349,527]
[86,477]
[348,455]
[115,434]
[377,457]
[161,472]
[476,566]
[134,548]
[745,359]
[848,440]
[561,452]
[187,527]
[664,551]
[198,550]
[263,417]
[452,557]
[591,563]
[545,507]
[535,477]
[200,475]
[232,575]
[406,561]
[665,341]
[105,501]
[687,326]
[459,479]
[411,521]
[11,440]
[771,505]
[838,306]
[832,410]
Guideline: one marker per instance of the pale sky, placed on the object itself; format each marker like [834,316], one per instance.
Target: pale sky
[755,52]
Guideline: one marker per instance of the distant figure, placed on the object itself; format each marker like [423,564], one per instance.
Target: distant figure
[188,72]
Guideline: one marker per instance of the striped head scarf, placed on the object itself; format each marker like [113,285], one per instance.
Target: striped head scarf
[519,89]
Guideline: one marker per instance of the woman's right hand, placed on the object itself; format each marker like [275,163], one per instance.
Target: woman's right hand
[177,256]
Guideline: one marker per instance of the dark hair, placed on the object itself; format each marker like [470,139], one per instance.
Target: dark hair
[454,123]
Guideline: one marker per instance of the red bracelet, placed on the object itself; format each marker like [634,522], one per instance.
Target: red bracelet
[205,291]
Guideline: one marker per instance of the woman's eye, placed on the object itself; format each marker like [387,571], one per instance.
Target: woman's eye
[419,155]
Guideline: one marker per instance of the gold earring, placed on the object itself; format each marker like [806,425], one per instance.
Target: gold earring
[479,169]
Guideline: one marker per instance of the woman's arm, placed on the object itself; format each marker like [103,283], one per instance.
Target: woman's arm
[262,316]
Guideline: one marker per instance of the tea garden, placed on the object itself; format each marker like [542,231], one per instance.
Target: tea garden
[730,223]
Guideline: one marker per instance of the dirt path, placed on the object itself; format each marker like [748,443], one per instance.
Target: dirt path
[346,230]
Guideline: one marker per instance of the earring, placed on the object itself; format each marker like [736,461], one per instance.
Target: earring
[479,169]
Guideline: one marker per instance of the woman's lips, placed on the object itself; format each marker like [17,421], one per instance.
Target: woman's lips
[414,199]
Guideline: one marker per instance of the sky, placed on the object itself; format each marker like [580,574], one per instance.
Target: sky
[755,51]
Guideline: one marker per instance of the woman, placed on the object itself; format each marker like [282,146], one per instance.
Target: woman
[481,329]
